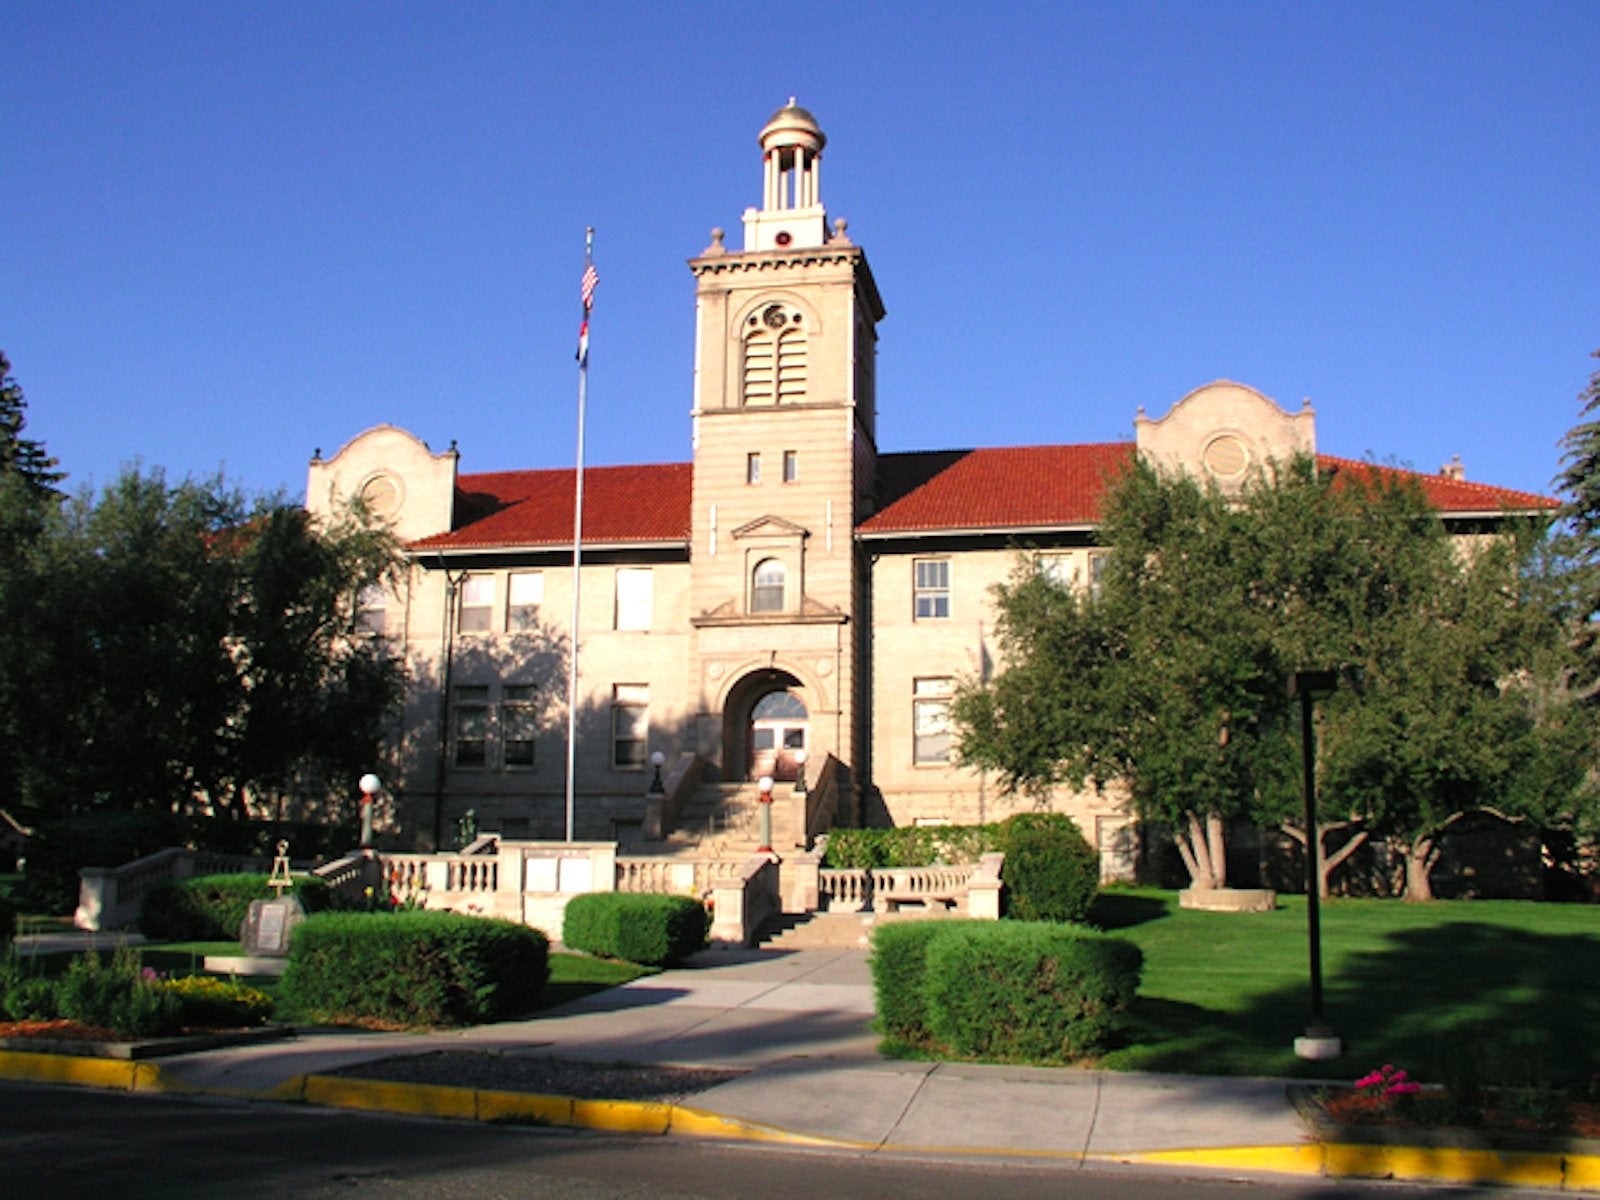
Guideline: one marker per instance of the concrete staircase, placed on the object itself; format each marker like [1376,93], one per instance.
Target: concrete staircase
[819,931]
[722,817]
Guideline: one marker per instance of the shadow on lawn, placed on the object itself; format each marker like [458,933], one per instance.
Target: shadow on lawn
[1459,999]
[1116,910]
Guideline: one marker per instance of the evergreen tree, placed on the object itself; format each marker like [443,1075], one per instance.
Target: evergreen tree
[1579,481]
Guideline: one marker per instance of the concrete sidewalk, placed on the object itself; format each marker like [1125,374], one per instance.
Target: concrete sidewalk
[798,1022]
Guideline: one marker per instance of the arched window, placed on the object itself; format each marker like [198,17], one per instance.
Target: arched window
[766,589]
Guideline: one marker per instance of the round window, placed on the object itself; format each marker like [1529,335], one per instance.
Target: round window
[1227,456]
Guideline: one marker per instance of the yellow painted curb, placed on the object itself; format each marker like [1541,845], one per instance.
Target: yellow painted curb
[1583,1172]
[1285,1160]
[378,1095]
[622,1116]
[1447,1164]
[512,1107]
[63,1068]
[696,1122]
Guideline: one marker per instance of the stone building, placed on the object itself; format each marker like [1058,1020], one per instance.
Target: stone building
[790,589]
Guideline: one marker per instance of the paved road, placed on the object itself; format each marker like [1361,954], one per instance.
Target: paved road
[61,1144]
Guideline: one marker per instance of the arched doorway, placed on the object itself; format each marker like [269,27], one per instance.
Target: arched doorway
[777,734]
[764,723]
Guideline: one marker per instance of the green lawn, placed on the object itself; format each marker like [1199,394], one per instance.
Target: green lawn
[1513,985]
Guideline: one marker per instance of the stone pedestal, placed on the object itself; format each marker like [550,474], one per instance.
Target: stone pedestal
[1228,899]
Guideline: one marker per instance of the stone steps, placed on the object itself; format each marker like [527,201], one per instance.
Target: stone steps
[820,931]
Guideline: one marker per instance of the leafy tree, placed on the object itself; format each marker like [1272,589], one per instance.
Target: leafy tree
[1579,481]
[1171,680]
[28,503]
[200,652]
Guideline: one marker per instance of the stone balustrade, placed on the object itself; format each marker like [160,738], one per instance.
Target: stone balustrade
[109,897]
[968,888]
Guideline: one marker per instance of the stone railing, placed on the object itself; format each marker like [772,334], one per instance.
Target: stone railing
[108,897]
[673,876]
[742,904]
[348,876]
[972,889]
[816,809]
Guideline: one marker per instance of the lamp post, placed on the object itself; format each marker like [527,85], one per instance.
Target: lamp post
[1308,687]
[657,788]
[765,799]
[370,786]
[799,772]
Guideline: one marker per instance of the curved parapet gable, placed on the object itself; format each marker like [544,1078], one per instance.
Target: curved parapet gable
[1226,432]
[402,481]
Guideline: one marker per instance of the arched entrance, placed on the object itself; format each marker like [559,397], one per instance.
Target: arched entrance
[764,725]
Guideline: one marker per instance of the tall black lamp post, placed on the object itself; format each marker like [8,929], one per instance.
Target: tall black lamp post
[1308,687]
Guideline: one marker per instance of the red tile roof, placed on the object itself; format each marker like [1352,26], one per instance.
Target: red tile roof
[1453,497]
[627,505]
[997,488]
[1011,487]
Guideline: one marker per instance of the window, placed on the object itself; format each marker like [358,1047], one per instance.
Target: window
[635,598]
[470,720]
[477,604]
[518,723]
[932,588]
[1058,569]
[930,720]
[1097,571]
[791,466]
[766,590]
[524,594]
[752,468]
[372,609]
[630,724]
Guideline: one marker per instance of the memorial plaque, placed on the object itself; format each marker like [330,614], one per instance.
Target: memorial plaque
[270,925]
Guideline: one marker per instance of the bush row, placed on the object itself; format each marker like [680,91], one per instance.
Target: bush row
[122,996]
[908,846]
[413,968]
[1002,991]
[636,928]
[214,907]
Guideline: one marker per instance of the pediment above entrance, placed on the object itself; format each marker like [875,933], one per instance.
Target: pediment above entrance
[770,527]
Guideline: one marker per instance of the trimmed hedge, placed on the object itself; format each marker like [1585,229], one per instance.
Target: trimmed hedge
[899,965]
[1051,872]
[908,846]
[648,929]
[212,908]
[412,968]
[1031,992]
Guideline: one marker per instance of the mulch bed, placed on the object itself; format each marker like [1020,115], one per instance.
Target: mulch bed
[490,1070]
[58,1031]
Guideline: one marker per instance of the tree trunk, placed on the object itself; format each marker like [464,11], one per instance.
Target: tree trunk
[1203,851]
[1420,856]
[1327,863]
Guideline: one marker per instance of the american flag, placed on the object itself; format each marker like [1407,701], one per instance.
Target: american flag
[591,280]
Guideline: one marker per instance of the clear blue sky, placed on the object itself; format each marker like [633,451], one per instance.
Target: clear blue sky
[234,232]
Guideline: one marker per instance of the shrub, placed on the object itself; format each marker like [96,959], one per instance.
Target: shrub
[899,976]
[118,996]
[1028,992]
[213,907]
[25,995]
[208,1002]
[412,968]
[1051,872]
[636,928]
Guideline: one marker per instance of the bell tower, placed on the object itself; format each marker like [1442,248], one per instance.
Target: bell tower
[784,450]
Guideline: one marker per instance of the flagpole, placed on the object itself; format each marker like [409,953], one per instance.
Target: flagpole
[590,279]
